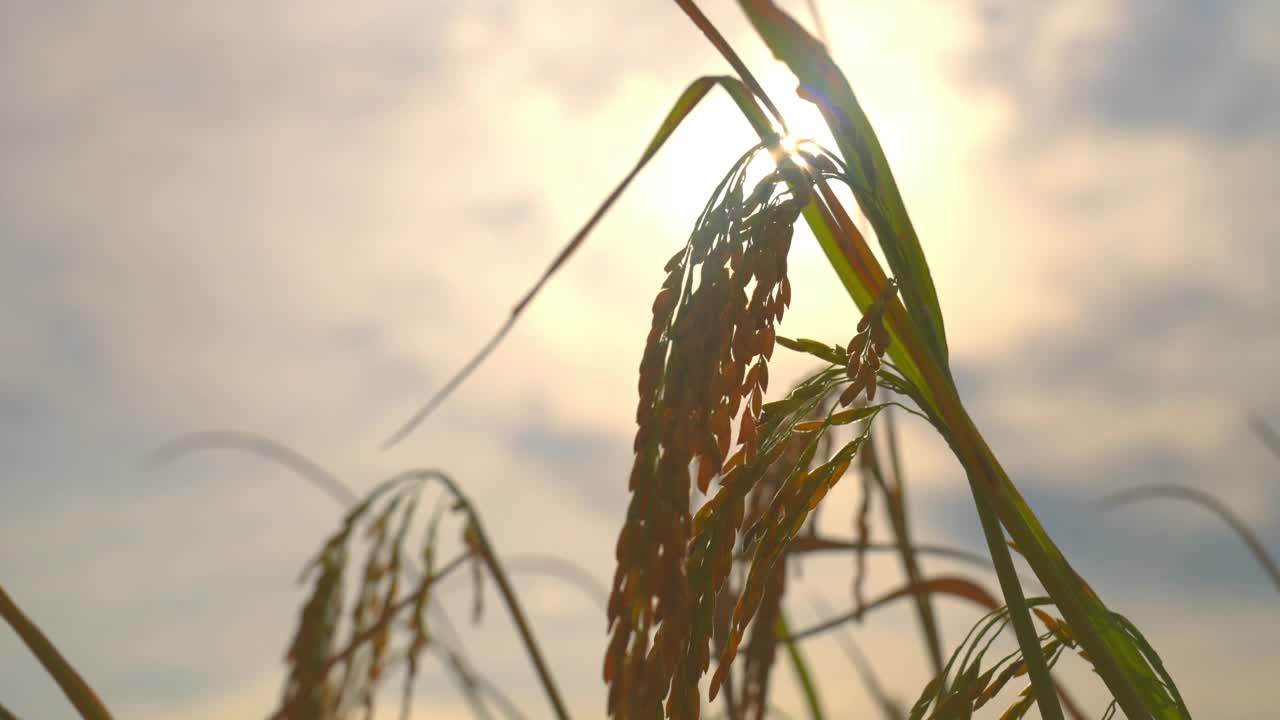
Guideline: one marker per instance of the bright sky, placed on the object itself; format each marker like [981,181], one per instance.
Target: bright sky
[299,218]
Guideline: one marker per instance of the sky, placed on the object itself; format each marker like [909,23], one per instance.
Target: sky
[298,218]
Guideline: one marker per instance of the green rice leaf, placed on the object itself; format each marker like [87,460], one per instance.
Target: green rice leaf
[921,359]
[684,105]
[869,175]
[803,674]
[822,351]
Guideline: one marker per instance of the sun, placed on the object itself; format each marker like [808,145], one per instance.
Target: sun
[804,121]
[716,133]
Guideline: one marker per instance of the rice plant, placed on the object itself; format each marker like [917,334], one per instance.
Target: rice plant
[678,614]
[705,368]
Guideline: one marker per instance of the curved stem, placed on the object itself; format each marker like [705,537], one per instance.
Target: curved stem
[804,545]
[485,550]
[73,686]
[1028,639]
[370,633]
[1115,658]
[798,663]
[522,625]
[704,24]
[1208,502]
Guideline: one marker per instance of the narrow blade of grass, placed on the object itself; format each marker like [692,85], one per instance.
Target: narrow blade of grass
[1173,491]
[1119,661]
[684,105]
[952,585]
[505,590]
[803,675]
[717,40]
[82,696]
[1037,668]
[802,545]
[262,446]
[819,25]
[890,708]
[822,83]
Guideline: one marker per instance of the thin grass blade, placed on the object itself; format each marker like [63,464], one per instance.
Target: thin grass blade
[804,676]
[955,586]
[81,695]
[1208,502]
[822,83]
[684,105]
[889,707]
[1119,661]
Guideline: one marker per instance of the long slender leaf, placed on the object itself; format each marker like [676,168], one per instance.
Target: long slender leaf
[1023,628]
[684,105]
[501,579]
[889,707]
[945,585]
[819,25]
[802,545]
[262,446]
[717,40]
[78,691]
[1208,502]
[1117,658]
[873,186]
[824,84]
[803,674]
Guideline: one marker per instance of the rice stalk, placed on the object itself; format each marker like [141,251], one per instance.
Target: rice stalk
[305,683]
[922,358]
[760,652]
[945,585]
[889,707]
[468,680]
[704,371]
[808,686]
[78,692]
[680,429]
[309,691]
[684,105]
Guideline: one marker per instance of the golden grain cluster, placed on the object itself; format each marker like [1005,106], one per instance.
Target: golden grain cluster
[703,379]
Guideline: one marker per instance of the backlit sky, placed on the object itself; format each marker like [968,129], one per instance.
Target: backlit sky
[297,218]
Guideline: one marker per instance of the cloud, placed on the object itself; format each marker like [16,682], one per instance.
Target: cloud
[299,219]
[1134,67]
